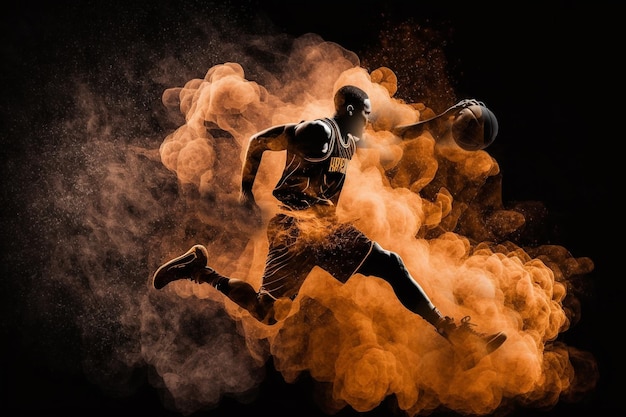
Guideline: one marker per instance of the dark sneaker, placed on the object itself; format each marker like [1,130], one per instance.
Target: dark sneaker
[464,335]
[186,266]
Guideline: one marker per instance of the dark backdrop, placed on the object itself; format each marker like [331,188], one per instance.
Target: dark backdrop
[551,71]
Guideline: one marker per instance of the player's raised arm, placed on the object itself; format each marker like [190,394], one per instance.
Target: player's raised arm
[434,124]
[471,124]
[272,139]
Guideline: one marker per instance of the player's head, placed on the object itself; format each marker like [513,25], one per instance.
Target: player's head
[352,105]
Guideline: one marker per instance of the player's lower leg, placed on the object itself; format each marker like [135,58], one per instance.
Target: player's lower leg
[192,265]
[389,266]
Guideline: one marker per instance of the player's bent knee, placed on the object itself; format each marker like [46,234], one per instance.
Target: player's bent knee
[384,264]
[241,292]
[248,298]
[388,257]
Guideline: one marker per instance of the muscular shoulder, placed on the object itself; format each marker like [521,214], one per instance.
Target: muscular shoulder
[313,128]
[312,138]
[275,138]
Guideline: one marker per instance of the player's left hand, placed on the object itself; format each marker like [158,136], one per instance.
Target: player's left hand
[465,103]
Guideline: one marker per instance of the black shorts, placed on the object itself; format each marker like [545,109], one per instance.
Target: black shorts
[302,240]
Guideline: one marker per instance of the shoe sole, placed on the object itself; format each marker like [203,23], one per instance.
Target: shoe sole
[179,262]
[468,358]
[496,342]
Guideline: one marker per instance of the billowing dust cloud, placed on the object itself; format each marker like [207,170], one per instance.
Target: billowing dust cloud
[438,207]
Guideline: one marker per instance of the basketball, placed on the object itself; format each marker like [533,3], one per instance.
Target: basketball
[475,128]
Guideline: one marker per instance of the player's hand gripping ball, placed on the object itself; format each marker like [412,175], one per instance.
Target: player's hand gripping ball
[475,127]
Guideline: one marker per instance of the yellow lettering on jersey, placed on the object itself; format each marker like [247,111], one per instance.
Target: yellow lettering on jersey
[338,165]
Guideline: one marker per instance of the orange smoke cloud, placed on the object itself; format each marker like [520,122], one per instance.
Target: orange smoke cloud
[438,207]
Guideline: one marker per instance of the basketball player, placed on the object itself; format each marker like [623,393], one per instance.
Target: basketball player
[305,232]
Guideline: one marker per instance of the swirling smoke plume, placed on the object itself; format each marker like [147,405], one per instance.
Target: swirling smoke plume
[125,193]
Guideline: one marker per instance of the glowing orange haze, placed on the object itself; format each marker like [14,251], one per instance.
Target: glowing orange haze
[439,207]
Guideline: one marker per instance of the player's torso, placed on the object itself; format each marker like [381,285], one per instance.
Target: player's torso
[316,167]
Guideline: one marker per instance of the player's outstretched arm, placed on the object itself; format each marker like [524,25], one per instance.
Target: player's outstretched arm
[436,125]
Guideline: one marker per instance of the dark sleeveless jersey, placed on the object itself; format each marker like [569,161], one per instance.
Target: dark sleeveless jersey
[316,165]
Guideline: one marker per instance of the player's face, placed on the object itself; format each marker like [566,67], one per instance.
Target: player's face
[360,118]
[367,109]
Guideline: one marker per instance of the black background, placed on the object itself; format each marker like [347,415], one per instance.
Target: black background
[551,71]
